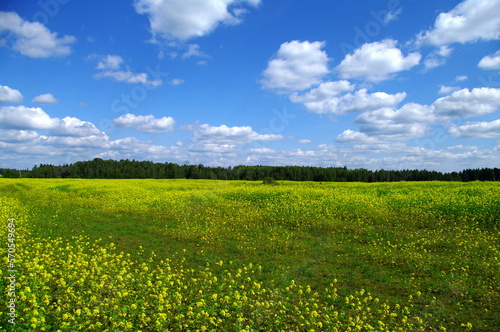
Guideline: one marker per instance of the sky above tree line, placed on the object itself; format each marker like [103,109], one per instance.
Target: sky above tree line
[387,84]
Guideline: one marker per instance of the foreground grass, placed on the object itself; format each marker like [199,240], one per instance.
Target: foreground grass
[199,255]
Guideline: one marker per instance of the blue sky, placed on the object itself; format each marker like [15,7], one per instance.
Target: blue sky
[372,84]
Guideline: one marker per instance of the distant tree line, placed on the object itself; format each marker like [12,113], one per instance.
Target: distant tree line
[133,169]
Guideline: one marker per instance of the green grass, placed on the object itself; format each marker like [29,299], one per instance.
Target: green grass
[395,240]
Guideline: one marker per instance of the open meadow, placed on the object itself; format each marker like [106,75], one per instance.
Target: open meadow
[206,255]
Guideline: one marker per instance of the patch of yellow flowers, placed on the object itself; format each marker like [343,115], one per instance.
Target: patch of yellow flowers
[79,285]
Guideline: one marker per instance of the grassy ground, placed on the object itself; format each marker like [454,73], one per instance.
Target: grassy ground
[295,256]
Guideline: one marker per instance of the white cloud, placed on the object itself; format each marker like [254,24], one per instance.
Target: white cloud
[324,100]
[112,62]
[392,15]
[414,120]
[128,77]
[33,39]
[366,152]
[351,136]
[33,136]
[93,141]
[110,66]
[444,90]
[465,103]
[437,58]
[297,66]
[131,147]
[185,19]
[74,127]
[47,98]
[444,51]
[214,141]
[409,113]
[17,136]
[433,62]
[305,141]
[213,148]
[317,99]
[24,120]
[176,81]
[9,95]
[477,130]
[262,151]
[225,134]
[490,62]
[469,21]
[193,50]
[410,121]
[461,78]
[145,123]
[375,61]
[22,117]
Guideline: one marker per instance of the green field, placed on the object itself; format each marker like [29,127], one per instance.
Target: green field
[203,255]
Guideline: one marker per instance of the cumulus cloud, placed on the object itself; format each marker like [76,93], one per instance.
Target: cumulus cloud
[112,62]
[93,141]
[469,21]
[9,95]
[437,58]
[351,136]
[408,122]
[69,130]
[22,117]
[131,147]
[33,39]
[225,134]
[213,148]
[111,67]
[324,100]
[17,136]
[467,103]
[375,61]
[409,113]
[317,97]
[128,77]
[145,123]
[490,62]
[483,129]
[444,90]
[222,139]
[297,66]
[366,152]
[46,98]
[413,120]
[186,19]
[74,127]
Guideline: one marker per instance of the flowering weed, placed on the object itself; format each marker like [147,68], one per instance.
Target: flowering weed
[188,255]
